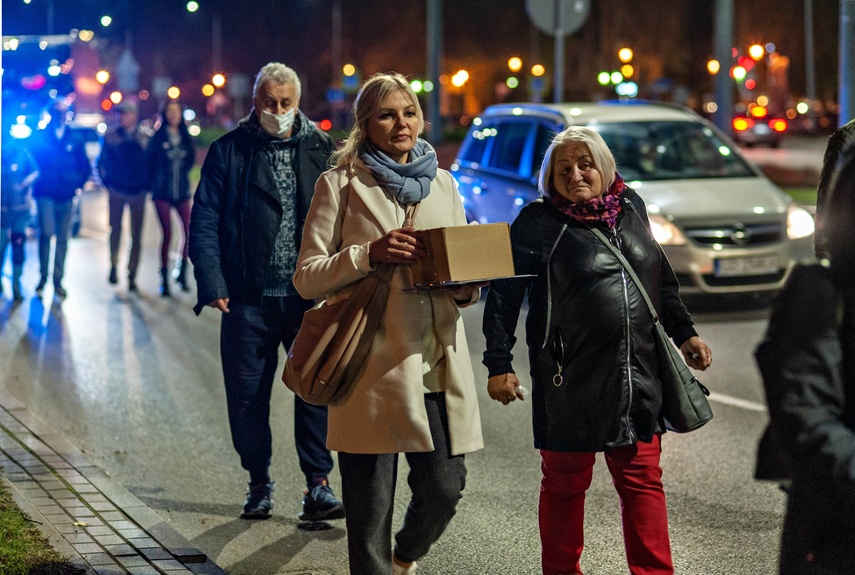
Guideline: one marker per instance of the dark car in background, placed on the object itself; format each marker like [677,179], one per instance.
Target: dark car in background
[723,225]
[754,130]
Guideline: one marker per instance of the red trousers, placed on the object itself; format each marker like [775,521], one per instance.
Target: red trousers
[637,477]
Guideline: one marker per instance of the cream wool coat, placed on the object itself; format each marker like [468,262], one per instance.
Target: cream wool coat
[385,413]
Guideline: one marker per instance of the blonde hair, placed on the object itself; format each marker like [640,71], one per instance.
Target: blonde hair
[604,161]
[371,96]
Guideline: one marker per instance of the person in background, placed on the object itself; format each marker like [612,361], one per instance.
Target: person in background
[416,393]
[841,140]
[808,367]
[173,154]
[125,169]
[60,153]
[594,365]
[248,213]
[19,172]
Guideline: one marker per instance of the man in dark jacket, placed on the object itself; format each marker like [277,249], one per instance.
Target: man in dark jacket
[60,153]
[808,371]
[245,230]
[125,168]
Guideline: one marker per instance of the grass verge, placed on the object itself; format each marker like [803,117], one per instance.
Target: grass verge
[804,196]
[23,548]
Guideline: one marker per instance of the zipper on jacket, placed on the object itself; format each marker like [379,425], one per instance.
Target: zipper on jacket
[549,287]
[615,241]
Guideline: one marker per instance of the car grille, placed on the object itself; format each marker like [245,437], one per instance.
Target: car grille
[737,235]
[716,282]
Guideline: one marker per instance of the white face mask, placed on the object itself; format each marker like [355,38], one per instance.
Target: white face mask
[278,125]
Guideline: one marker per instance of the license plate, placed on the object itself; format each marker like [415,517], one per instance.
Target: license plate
[758,266]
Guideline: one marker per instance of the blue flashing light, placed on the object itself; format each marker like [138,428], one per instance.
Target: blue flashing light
[20,131]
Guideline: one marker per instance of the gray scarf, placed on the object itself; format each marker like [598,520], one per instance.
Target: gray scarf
[410,182]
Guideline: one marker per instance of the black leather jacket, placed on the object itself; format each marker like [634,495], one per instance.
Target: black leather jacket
[236,212]
[588,322]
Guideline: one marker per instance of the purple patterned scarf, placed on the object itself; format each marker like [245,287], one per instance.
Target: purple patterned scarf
[603,209]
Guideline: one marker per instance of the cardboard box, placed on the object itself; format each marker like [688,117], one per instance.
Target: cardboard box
[464,254]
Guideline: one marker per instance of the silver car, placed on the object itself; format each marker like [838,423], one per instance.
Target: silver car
[723,225]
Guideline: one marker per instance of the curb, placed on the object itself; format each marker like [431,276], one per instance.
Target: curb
[87,516]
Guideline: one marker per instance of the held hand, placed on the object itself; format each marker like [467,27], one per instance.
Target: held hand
[221,304]
[697,353]
[396,247]
[464,293]
[505,388]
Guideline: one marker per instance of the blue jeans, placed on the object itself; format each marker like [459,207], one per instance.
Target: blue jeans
[250,337]
[54,220]
[436,480]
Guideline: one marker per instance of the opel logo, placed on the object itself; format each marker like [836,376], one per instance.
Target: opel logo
[740,235]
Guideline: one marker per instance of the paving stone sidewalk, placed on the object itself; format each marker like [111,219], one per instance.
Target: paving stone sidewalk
[86,515]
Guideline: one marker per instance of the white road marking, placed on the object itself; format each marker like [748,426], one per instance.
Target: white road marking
[736,402]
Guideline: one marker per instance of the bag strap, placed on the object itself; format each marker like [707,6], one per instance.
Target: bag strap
[628,267]
[384,270]
[409,219]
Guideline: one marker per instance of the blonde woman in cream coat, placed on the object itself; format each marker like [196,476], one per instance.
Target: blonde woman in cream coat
[416,393]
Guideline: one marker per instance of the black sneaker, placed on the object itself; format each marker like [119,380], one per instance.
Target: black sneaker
[114,277]
[259,501]
[59,291]
[320,503]
[41,287]
[132,284]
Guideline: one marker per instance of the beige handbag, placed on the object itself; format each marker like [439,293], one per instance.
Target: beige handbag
[335,339]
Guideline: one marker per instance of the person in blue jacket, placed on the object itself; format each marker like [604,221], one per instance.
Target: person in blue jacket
[60,153]
[19,171]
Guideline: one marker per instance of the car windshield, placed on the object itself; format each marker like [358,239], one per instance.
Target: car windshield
[647,151]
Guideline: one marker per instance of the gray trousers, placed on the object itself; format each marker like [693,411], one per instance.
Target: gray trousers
[136,206]
[436,480]
[54,221]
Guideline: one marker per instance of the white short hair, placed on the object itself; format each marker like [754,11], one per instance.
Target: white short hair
[604,161]
[278,73]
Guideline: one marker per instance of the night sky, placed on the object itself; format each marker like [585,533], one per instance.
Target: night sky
[380,35]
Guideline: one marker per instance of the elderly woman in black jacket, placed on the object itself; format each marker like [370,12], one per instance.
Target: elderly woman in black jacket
[594,369]
[808,364]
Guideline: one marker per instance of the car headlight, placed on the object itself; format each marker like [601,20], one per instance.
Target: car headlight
[799,223]
[665,232]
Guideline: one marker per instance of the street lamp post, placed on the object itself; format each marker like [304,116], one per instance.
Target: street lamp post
[434,58]
[847,61]
[810,68]
[723,47]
